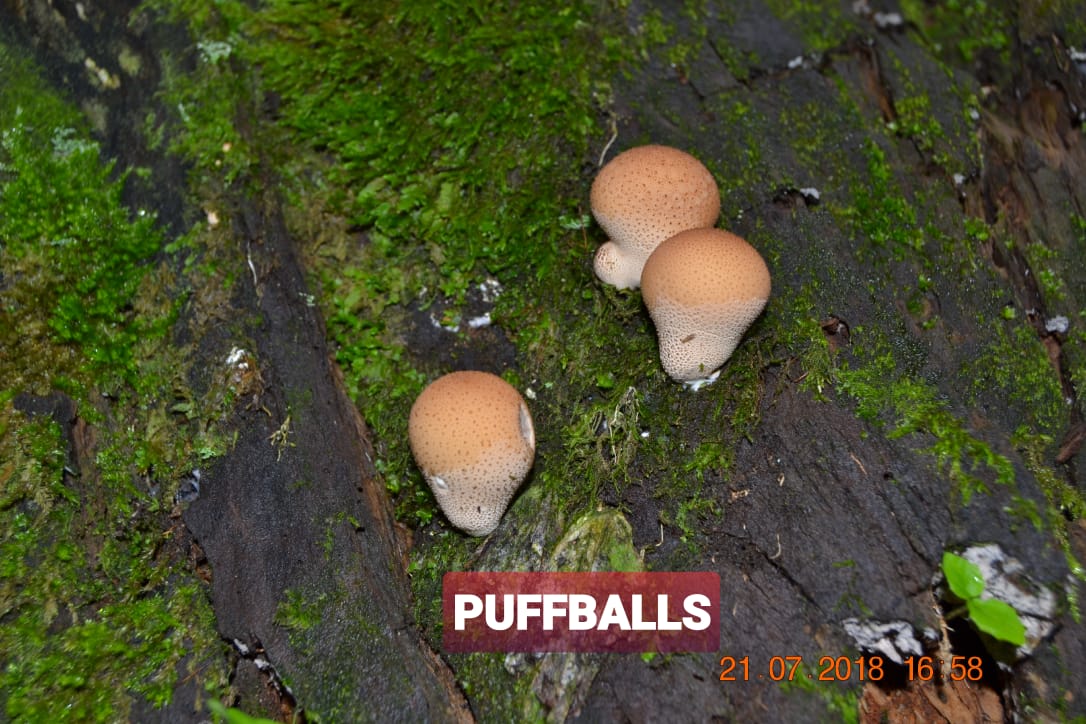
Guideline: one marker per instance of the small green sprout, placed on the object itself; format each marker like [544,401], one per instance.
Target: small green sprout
[220,713]
[995,618]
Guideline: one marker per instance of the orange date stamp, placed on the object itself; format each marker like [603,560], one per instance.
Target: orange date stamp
[845,668]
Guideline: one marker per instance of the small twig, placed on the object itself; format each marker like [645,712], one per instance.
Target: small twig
[777,555]
[614,135]
[249,258]
[279,439]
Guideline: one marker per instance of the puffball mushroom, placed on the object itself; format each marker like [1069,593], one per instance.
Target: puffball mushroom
[643,196]
[703,289]
[473,439]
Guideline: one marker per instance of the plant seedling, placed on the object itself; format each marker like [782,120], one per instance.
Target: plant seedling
[220,713]
[994,617]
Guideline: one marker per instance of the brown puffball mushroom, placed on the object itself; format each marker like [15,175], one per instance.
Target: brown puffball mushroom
[703,289]
[472,437]
[643,196]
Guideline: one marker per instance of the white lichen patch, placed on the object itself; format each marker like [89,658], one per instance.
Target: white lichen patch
[893,639]
[212,51]
[695,385]
[237,358]
[490,290]
[1059,325]
[483,320]
[888,21]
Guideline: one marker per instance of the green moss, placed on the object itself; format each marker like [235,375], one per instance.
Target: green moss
[205,100]
[934,108]
[65,228]
[596,541]
[680,43]
[133,646]
[440,553]
[1041,260]
[915,121]
[446,161]
[960,30]
[92,621]
[882,391]
[799,338]
[99,605]
[1016,364]
[298,611]
[1064,502]
[880,215]
[505,687]
[822,24]
[747,174]
[902,227]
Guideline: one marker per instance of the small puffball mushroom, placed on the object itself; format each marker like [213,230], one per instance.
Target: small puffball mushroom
[473,439]
[703,288]
[643,196]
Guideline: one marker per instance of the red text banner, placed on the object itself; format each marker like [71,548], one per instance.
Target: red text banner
[581,612]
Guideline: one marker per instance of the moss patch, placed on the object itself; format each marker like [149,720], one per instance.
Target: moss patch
[99,604]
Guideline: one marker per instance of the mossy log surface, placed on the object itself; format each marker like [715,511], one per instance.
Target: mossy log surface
[291,529]
[913,387]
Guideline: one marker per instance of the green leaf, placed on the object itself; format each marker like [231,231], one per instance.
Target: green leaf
[997,619]
[233,716]
[963,577]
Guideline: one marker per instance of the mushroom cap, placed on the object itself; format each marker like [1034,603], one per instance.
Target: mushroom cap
[643,196]
[473,439]
[703,289]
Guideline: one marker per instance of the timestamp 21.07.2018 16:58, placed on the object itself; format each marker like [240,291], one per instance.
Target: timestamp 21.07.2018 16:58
[844,668]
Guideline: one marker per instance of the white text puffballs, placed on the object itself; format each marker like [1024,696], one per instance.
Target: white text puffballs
[703,289]
[473,439]
[643,196]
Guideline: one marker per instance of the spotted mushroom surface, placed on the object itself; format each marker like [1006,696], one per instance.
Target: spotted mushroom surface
[703,289]
[472,437]
[643,196]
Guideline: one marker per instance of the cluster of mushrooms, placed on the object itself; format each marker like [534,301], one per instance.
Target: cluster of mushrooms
[471,433]
[703,286]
